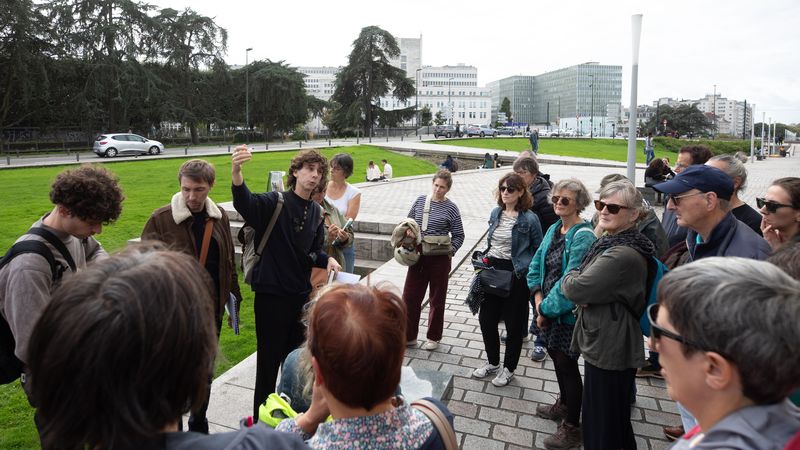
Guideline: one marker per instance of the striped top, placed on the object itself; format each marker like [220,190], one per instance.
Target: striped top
[444,219]
[501,237]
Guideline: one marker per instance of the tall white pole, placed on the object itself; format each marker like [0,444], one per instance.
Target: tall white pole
[752,134]
[636,34]
[763,121]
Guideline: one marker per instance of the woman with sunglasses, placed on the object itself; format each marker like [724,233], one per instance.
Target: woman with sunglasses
[781,209]
[610,289]
[514,235]
[562,249]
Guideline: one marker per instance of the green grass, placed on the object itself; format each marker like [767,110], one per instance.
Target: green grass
[611,149]
[149,184]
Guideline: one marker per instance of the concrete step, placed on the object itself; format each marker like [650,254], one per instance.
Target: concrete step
[364,267]
[374,246]
[373,227]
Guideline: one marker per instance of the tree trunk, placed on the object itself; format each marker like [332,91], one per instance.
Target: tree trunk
[193,133]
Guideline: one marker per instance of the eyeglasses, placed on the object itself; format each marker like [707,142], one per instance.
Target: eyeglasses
[772,207]
[510,189]
[613,209]
[563,200]
[676,199]
[658,331]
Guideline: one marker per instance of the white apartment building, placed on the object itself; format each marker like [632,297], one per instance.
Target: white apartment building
[731,116]
[454,91]
[320,81]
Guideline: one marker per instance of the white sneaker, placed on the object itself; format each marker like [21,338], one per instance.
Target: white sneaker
[430,345]
[487,369]
[503,378]
[412,343]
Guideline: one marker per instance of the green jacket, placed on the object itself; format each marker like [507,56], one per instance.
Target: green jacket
[606,334]
[577,242]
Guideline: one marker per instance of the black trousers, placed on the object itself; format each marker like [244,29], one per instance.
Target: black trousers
[514,312]
[570,385]
[278,332]
[607,409]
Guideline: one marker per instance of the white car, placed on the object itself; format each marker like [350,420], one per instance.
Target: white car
[113,144]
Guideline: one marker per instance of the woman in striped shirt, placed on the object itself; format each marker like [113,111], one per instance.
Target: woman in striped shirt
[443,219]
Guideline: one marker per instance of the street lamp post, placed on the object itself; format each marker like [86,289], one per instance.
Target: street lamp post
[449,103]
[247,91]
[591,115]
[714,117]
[416,129]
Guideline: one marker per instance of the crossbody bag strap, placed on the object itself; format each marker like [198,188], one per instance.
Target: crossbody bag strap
[55,242]
[426,212]
[206,241]
[439,422]
[271,225]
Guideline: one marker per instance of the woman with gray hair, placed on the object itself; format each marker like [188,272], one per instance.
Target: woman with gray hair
[562,250]
[734,168]
[610,288]
[735,375]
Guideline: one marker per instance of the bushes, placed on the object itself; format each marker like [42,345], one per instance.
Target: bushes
[717,147]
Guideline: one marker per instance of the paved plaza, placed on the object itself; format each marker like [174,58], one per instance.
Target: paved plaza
[487,417]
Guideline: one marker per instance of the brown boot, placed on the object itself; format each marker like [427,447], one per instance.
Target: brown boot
[557,411]
[567,436]
[674,433]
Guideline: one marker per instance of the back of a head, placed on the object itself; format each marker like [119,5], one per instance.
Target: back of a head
[123,349]
[787,257]
[746,310]
[357,335]
[529,165]
[700,153]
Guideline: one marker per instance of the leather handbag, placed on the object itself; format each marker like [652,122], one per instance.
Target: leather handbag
[435,245]
[439,421]
[497,282]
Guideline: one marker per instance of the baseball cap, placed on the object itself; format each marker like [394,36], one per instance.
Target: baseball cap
[701,177]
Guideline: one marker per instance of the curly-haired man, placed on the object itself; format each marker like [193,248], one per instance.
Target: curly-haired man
[281,279]
[85,199]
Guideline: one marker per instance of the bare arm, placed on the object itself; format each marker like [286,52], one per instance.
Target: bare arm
[353,206]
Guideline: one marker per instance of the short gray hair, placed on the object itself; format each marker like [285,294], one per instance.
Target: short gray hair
[574,185]
[734,168]
[746,311]
[629,194]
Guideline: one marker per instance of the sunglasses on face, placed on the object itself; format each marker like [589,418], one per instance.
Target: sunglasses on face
[613,209]
[563,200]
[510,189]
[772,207]
[676,199]
[657,332]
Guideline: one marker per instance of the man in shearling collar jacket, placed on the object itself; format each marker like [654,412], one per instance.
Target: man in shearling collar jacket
[183,225]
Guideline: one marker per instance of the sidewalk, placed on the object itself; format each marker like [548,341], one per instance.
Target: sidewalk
[487,417]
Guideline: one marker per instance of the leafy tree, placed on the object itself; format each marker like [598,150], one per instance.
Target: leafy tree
[780,129]
[367,77]
[279,96]
[683,120]
[439,120]
[505,107]
[425,116]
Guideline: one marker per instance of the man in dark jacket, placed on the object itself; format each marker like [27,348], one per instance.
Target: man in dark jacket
[528,169]
[193,224]
[281,279]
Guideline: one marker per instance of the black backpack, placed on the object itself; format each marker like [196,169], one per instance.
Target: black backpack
[10,366]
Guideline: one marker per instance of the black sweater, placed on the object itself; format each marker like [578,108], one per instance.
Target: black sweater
[284,269]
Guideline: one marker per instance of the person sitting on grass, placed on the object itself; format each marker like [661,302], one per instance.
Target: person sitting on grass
[124,349]
[373,172]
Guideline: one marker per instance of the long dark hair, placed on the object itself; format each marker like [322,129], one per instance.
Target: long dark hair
[515,181]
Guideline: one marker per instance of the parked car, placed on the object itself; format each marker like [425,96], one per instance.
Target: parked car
[113,144]
[481,130]
[506,131]
[447,131]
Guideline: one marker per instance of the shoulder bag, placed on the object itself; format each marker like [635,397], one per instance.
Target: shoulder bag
[433,245]
[439,421]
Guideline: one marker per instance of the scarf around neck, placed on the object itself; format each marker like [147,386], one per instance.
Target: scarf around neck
[630,238]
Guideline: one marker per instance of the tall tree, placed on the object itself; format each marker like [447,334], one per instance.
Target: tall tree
[367,77]
[187,41]
[279,96]
[505,107]
[682,120]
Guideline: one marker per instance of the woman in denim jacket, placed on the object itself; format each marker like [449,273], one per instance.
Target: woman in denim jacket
[562,249]
[514,235]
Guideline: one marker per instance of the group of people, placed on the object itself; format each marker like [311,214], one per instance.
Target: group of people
[376,174]
[113,350]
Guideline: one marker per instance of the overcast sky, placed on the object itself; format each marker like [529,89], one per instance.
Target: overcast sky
[749,49]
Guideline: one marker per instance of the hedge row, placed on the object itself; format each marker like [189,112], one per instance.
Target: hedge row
[717,147]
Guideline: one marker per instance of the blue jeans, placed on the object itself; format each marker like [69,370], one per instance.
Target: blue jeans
[349,258]
[649,156]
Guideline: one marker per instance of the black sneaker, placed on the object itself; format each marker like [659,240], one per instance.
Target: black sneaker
[649,370]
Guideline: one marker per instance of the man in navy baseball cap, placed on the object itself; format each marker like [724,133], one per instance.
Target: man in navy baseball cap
[699,197]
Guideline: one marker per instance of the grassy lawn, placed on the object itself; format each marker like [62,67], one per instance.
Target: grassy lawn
[149,184]
[611,149]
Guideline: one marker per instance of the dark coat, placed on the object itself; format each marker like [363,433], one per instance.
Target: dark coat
[540,189]
[730,237]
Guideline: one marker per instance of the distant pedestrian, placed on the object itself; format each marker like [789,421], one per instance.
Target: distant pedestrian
[449,163]
[534,138]
[488,162]
[458,129]
[387,170]
[648,149]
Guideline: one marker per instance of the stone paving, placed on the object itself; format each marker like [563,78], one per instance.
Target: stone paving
[487,417]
